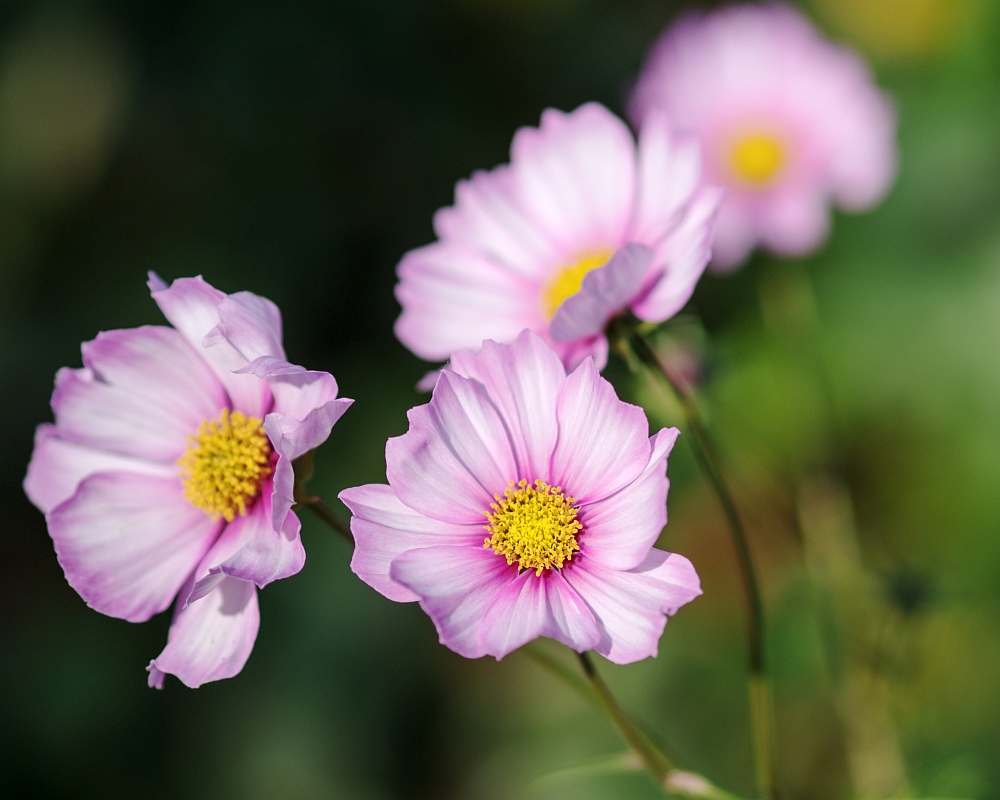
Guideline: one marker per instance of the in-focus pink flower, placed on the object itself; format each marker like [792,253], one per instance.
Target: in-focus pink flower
[168,471]
[580,226]
[788,121]
[525,502]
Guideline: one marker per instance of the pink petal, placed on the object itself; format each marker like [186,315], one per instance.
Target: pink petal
[456,586]
[794,223]
[603,443]
[142,392]
[210,639]
[192,306]
[487,218]
[575,177]
[669,172]
[631,606]
[263,554]
[605,292]
[683,253]
[127,542]
[57,467]
[453,298]
[619,530]
[306,408]
[522,380]
[455,456]
[251,324]
[533,606]
[384,528]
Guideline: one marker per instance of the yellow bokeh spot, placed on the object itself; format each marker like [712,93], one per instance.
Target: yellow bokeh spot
[756,158]
[567,281]
[225,464]
[534,525]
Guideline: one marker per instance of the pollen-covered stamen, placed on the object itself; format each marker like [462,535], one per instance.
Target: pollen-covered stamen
[566,281]
[534,525]
[225,464]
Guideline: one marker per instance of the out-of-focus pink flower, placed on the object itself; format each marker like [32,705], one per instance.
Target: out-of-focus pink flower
[580,226]
[168,471]
[525,502]
[788,122]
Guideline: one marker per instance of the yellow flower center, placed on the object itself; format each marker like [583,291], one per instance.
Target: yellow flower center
[535,526]
[567,280]
[225,464]
[757,158]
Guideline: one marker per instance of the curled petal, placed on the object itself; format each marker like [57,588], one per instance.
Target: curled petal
[605,292]
[192,307]
[210,639]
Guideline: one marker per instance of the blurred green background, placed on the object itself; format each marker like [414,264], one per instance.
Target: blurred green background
[297,150]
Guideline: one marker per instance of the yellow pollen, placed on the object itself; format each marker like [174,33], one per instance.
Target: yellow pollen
[225,464]
[757,158]
[535,526]
[567,281]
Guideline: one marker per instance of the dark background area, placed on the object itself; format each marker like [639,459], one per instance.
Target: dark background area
[297,150]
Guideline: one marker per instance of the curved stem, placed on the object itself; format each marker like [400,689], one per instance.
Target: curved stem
[673,780]
[706,453]
[321,510]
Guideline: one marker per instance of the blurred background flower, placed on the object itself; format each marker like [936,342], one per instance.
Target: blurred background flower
[298,151]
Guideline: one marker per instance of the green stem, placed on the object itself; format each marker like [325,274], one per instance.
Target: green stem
[321,510]
[674,781]
[707,455]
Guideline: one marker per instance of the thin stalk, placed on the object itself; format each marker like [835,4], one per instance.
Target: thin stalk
[321,510]
[674,781]
[707,455]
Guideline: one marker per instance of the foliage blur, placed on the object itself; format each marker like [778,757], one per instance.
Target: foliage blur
[297,150]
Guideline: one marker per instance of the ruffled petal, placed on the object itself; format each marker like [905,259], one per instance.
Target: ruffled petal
[522,380]
[682,254]
[456,585]
[456,455]
[142,393]
[619,530]
[192,307]
[631,606]
[262,554]
[384,528]
[533,606]
[605,292]
[306,408]
[575,177]
[251,324]
[454,297]
[211,639]
[603,443]
[127,542]
[57,467]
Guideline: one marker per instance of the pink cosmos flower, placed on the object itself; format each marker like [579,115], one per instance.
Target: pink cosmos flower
[787,121]
[525,502]
[168,471]
[580,226]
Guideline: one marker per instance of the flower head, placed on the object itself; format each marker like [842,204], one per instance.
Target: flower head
[788,122]
[581,225]
[525,502]
[168,471]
